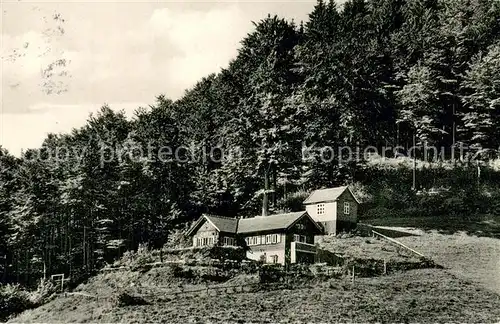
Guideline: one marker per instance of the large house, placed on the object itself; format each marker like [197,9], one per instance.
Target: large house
[282,238]
[336,209]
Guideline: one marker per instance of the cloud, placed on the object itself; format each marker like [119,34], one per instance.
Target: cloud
[127,53]
[28,130]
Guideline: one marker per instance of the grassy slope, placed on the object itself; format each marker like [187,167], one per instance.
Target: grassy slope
[483,226]
[365,248]
[418,296]
[469,257]
[468,247]
[430,295]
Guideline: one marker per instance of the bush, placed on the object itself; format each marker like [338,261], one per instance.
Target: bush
[137,259]
[13,300]
[45,291]
[178,239]
[293,202]
[380,212]
[125,298]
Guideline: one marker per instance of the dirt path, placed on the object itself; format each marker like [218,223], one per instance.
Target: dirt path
[469,257]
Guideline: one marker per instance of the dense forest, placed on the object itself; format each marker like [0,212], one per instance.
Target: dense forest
[371,72]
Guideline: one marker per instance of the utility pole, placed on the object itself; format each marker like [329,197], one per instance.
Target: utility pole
[478,173]
[414,162]
[4,274]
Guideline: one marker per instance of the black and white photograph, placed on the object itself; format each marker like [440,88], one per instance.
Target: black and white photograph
[250,161]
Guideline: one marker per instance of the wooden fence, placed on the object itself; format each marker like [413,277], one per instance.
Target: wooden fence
[208,290]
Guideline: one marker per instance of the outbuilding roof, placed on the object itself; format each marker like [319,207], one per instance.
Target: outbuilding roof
[327,195]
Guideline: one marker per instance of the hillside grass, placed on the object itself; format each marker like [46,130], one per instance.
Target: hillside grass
[365,248]
[469,257]
[468,247]
[476,225]
[465,291]
[429,295]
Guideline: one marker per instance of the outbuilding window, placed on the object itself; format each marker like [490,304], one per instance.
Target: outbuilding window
[347,208]
[320,209]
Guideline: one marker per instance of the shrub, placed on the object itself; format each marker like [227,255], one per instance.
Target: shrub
[45,291]
[13,300]
[178,239]
[125,298]
[138,259]
[293,202]
[179,272]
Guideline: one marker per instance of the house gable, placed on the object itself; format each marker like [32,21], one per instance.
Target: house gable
[204,232]
[305,224]
[350,199]
[202,225]
[220,223]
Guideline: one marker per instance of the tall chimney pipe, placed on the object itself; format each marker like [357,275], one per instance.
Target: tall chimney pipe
[265,199]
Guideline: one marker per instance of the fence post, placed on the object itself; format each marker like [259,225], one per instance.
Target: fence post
[385,267]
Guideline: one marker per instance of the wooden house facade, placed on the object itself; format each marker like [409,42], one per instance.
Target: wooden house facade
[336,209]
[282,238]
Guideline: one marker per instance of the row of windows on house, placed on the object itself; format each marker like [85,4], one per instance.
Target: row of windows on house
[320,208]
[272,239]
[263,239]
[205,241]
[252,240]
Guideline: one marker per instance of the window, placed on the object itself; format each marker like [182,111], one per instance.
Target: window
[253,240]
[229,241]
[268,239]
[320,209]
[204,241]
[300,238]
[347,208]
[274,258]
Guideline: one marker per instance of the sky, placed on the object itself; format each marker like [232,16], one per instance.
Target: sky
[62,61]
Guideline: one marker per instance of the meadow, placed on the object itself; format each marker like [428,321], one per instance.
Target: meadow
[466,290]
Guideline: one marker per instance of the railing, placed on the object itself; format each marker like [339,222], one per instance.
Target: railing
[399,244]
[304,247]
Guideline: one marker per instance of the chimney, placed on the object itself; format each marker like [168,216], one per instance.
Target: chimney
[265,199]
[265,205]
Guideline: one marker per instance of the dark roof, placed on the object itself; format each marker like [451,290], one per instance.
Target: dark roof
[271,222]
[325,195]
[223,224]
[250,225]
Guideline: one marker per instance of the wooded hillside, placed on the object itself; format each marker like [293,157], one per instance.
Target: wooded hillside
[374,72]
